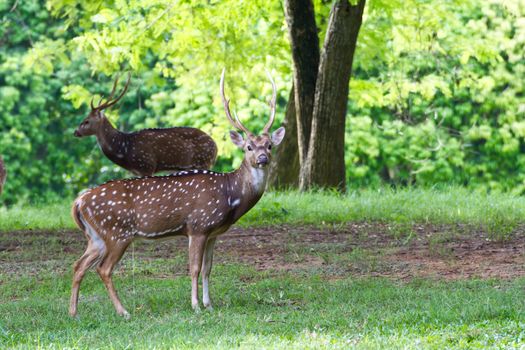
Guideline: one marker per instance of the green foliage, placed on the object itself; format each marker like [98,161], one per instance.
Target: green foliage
[44,94]
[435,96]
[32,116]
[48,75]
[445,102]
[190,42]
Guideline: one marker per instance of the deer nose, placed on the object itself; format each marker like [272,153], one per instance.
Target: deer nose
[76,133]
[262,159]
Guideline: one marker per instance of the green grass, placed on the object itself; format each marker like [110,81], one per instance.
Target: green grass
[496,212]
[262,310]
[333,305]
[37,217]
[443,206]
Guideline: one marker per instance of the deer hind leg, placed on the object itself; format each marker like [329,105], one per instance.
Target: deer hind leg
[197,245]
[207,262]
[90,257]
[105,271]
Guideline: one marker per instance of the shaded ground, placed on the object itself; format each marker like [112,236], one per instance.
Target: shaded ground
[398,251]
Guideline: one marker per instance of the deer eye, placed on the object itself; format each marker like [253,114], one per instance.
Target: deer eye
[250,148]
[270,147]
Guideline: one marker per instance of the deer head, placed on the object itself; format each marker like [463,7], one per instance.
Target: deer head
[93,122]
[257,149]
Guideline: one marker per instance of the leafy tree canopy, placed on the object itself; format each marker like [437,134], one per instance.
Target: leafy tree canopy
[436,94]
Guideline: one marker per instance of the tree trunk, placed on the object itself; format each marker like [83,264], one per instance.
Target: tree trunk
[284,169]
[302,29]
[325,165]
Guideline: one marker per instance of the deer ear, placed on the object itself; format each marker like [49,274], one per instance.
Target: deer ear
[278,136]
[237,139]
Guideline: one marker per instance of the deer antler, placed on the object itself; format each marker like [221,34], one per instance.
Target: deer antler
[268,125]
[110,101]
[226,102]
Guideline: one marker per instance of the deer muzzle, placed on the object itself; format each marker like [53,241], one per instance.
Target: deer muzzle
[262,160]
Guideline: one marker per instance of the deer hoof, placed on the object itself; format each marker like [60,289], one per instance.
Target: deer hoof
[209,307]
[125,314]
[196,308]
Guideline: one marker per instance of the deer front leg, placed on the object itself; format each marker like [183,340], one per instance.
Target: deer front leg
[197,245]
[207,263]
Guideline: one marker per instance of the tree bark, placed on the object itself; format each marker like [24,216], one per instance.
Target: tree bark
[325,165]
[284,169]
[302,29]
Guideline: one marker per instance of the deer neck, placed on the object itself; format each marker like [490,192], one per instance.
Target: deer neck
[109,139]
[246,187]
[252,180]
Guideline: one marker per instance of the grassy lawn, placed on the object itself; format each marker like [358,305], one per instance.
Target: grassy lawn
[257,310]
[498,213]
[265,310]
[371,269]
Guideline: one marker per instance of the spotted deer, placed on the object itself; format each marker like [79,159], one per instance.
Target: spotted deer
[199,204]
[148,151]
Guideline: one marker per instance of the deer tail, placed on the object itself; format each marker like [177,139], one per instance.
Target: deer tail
[75,213]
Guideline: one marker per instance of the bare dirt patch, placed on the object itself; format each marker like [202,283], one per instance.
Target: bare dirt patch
[358,249]
[405,252]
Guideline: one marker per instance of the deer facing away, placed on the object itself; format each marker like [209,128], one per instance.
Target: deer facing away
[148,151]
[199,204]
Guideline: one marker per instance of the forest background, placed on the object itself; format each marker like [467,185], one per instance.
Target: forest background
[436,94]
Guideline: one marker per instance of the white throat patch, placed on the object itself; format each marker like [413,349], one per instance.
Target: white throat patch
[258,179]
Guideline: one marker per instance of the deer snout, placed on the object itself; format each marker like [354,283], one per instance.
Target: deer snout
[76,133]
[262,159]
